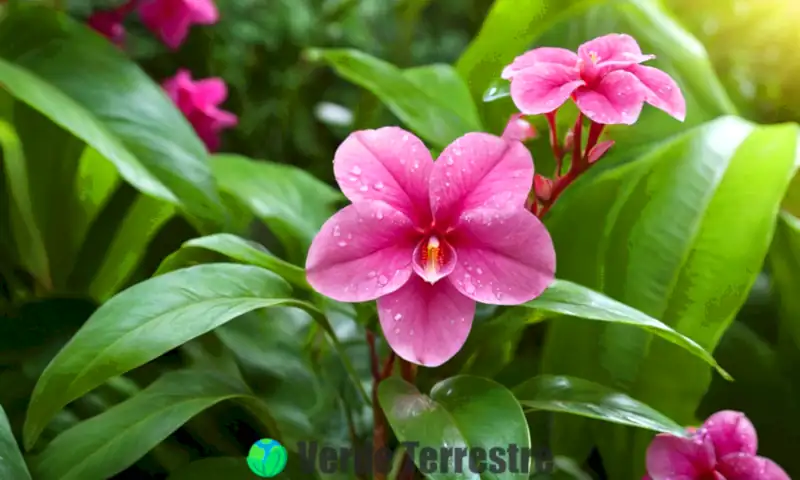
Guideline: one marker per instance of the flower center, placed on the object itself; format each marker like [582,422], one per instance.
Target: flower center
[593,56]
[434,258]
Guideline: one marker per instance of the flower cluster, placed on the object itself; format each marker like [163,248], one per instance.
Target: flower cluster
[723,448]
[171,20]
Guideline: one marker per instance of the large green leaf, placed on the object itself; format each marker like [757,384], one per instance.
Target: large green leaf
[785,265]
[567,298]
[108,443]
[461,412]
[90,88]
[145,321]
[430,114]
[582,397]
[12,465]
[27,235]
[239,249]
[442,82]
[293,203]
[679,234]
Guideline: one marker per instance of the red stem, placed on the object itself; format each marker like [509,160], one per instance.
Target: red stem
[554,143]
[595,129]
[577,144]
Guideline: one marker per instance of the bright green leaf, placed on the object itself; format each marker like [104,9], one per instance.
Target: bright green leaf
[567,298]
[144,322]
[12,465]
[239,249]
[582,397]
[463,411]
[108,443]
[431,117]
[443,83]
[90,88]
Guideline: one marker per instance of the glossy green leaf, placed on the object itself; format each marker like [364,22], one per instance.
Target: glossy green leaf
[582,397]
[26,232]
[461,412]
[90,88]
[293,203]
[145,321]
[239,249]
[433,118]
[679,234]
[785,265]
[567,298]
[108,443]
[443,83]
[12,465]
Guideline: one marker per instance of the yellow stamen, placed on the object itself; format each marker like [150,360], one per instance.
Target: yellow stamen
[594,57]
[433,256]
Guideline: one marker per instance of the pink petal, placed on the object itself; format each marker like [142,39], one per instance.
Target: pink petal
[434,258]
[362,252]
[109,24]
[543,187]
[731,432]
[210,91]
[387,164]
[479,170]
[612,50]
[505,257]
[617,98]
[426,324]
[673,458]
[741,466]
[519,129]
[599,150]
[544,87]
[661,90]
[203,12]
[528,59]
[168,19]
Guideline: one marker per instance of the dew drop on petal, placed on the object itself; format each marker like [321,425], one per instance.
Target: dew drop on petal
[342,243]
[379,215]
[371,274]
[411,332]
[382,280]
[396,330]
[356,170]
[363,188]
[378,186]
[336,231]
[398,317]
[479,271]
[449,160]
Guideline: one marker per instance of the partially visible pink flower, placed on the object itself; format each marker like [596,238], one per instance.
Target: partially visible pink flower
[604,78]
[724,448]
[199,101]
[109,23]
[428,240]
[519,129]
[171,19]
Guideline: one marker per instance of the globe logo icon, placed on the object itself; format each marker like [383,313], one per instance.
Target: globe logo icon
[267,458]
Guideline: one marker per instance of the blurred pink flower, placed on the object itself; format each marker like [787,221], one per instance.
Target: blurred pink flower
[109,23]
[724,448]
[604,78]
[171,19]
[519,129]
[428,240]
[199,101]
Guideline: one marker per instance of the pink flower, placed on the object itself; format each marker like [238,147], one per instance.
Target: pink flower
[199,101]
[428,240]
[724,448]
[171,19]
[109,22]
[519,129]
[604,78]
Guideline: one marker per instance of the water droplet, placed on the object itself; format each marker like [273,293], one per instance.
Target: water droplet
[349,236]
[463,319]
[379,215]
[405,137]
[470,288]
[336,231]
[353,179]
[342,243]
[363,188]
[448,173]
[457,152]
[371,274]
[449,160]
[396,330]
[499,295]
[416,165]
[356,170]
[398,317]
[378,186]
[382,280]
[446,184]
[411,332]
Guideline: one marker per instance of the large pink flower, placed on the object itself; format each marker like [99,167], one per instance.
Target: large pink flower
[605,79]
[724,448]
[199,101]
[429,239]
[171,19]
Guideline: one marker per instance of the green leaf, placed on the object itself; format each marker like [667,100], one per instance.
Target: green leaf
[680,234]
[461,412]
[108,443]
[239,249]
[90,88]
[12,465]
[27,235]
[442,82]
[293,203]
[214,468]
[784,261]
[421,109]
[567,298]
[145,321]
[582,397]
